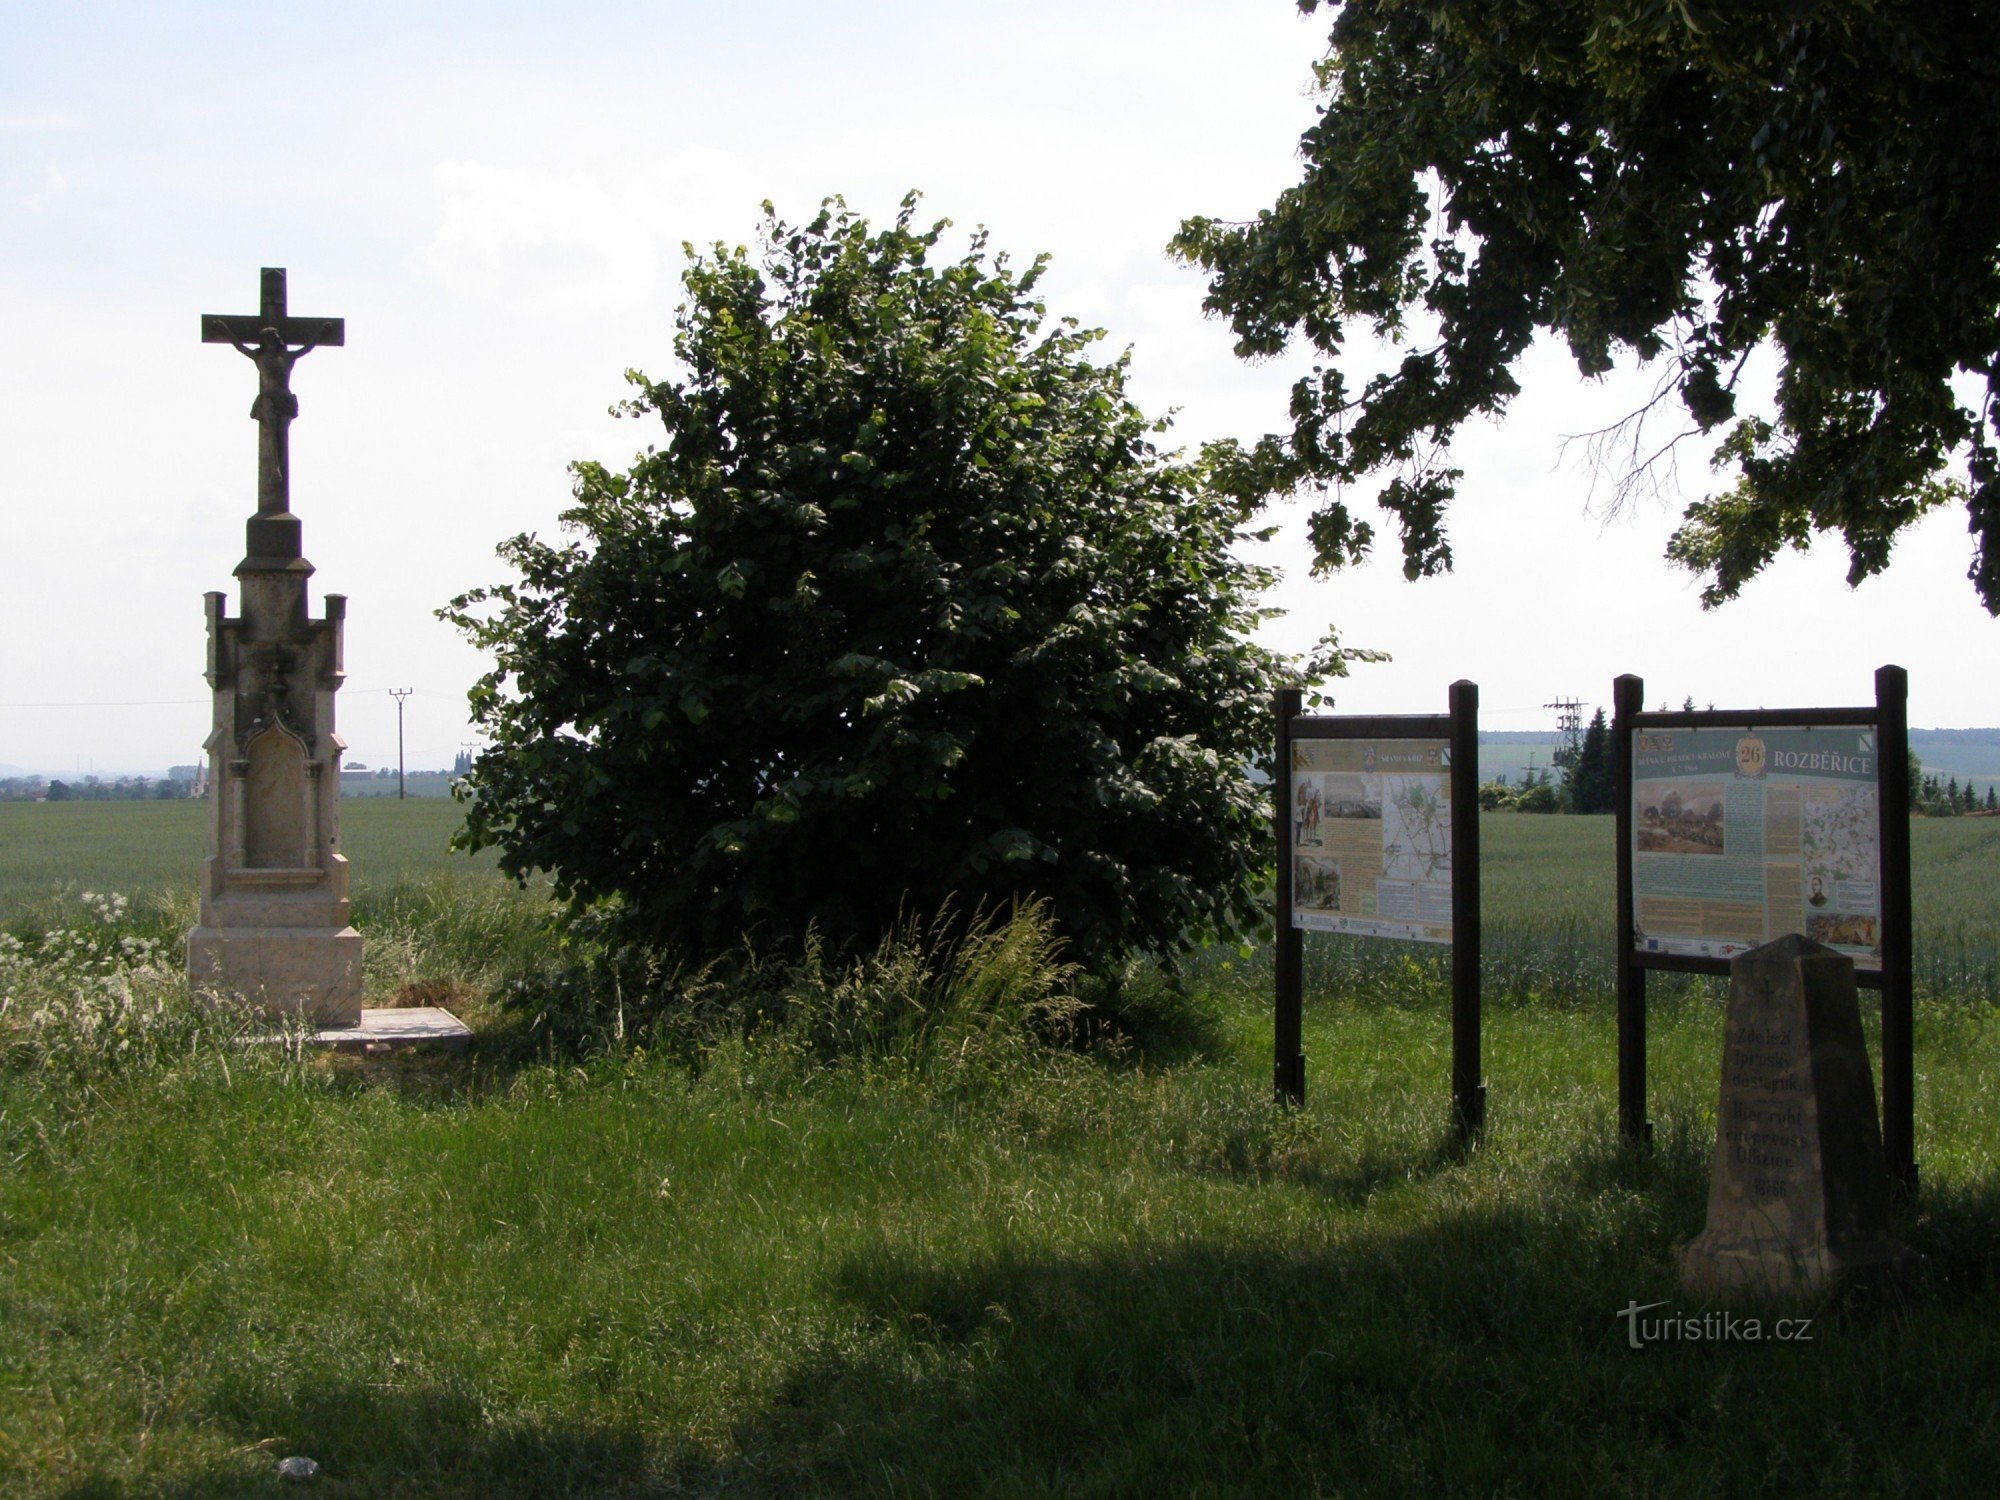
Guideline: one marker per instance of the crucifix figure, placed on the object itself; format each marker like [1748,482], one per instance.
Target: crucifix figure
[267,337]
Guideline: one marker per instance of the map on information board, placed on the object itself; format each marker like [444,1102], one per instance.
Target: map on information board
[1371,837]
[1743,835]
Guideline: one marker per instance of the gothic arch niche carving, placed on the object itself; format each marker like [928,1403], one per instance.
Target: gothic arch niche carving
[277,820]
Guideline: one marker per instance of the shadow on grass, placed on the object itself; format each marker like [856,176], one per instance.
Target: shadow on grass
[1358,1181]
[1955,1225]
[1258,1154]
[1957,1228]
[1480,1352]
[428,1441]
[566,1016]
[428,1075]
[1673,1168]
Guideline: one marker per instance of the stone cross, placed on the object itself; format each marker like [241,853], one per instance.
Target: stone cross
[267,337]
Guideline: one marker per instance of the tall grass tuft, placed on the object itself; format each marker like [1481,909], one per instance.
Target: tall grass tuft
[936,997]
[448,938]
[945,994]
[89,1000]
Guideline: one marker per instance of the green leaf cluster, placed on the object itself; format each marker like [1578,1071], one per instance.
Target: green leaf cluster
[1687,180]
[906,606]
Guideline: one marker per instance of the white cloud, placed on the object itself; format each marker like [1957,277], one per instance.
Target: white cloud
[555,241]
[27,121]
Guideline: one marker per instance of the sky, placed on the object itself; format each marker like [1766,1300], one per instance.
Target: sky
[495,197]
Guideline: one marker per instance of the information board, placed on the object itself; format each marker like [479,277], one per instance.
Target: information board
[1371,837]
[1741,835]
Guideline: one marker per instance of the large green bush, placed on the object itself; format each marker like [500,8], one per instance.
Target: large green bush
[907,606]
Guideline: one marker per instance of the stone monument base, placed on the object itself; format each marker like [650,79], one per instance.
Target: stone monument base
[1798,1192]
[1712,1266]
[313,972]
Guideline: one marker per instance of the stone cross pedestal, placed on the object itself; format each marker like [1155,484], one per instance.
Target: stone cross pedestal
[274,928]
[1798,1197]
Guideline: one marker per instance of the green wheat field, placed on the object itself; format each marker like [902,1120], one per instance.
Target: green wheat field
[920,1229]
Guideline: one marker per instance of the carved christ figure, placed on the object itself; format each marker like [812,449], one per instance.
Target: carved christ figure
[273,340]
[273,411]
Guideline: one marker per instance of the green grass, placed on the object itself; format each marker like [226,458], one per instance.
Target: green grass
[140,849]
[618,1280]
[1041,1274]
[1548,880]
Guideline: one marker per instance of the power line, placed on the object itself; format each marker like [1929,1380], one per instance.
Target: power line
[131,703]
[345,692]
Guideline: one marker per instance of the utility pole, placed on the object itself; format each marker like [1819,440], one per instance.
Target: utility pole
[399,694]
[1569,732]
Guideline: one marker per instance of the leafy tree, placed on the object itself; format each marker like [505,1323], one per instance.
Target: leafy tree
[59,791]
[1539,797]
[1691,182]
[1916,780]
[906,606]
[1593,785]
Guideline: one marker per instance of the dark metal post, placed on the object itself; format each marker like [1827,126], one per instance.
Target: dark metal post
[1468,1088]
[1288,956]
[1628,698]
[1892,745]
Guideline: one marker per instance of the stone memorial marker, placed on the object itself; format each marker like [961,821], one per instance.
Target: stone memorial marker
[274,925]
[1798,1197]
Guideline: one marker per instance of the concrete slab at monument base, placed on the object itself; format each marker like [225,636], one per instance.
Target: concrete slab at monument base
[393,1029]
[1713,1267]
[312,972]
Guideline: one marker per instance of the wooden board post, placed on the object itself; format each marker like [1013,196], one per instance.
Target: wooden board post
[1892,745]
[1627,698]
[1880,729]
[1468,1087]
[1288,959]
[1414,752]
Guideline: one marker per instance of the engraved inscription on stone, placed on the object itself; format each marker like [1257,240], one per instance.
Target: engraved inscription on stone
[1766,1103]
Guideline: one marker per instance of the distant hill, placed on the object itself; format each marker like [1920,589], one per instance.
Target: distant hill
[1510,752]
[1988,737]
[1968,754]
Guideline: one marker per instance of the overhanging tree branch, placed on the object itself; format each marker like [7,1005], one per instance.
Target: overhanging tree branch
[1703,178]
